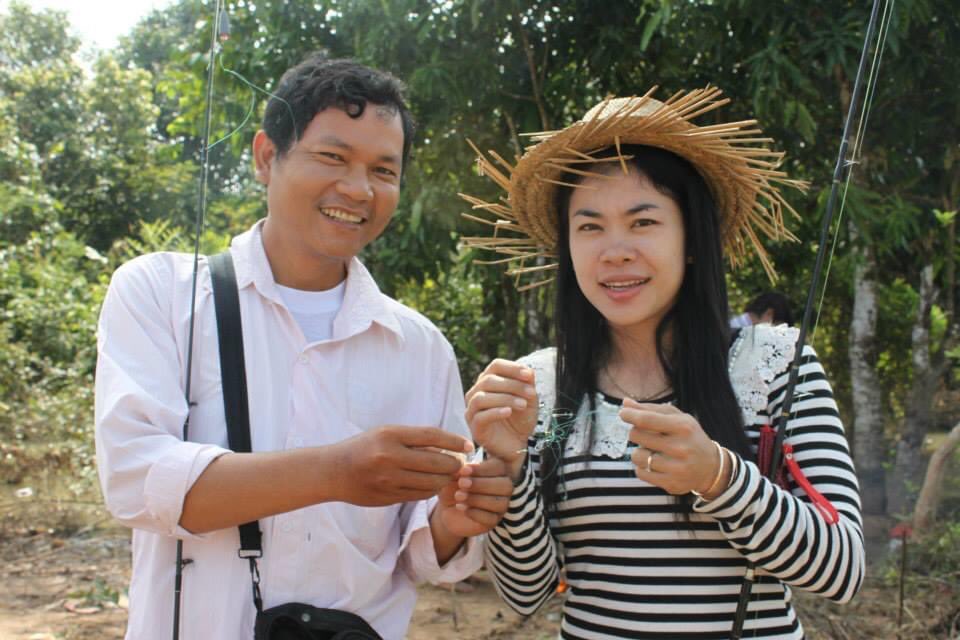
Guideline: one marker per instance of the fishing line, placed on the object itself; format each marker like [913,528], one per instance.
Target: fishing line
[857,146]
[253,102]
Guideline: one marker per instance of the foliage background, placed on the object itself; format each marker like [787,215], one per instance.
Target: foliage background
[98,159]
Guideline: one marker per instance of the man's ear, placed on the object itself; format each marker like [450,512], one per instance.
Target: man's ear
[767,315]
[264,155]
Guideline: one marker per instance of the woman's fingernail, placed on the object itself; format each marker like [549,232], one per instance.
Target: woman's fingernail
[464,483]
[460,506]
[520,402]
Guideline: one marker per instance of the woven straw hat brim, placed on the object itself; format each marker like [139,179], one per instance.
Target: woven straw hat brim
[742,174]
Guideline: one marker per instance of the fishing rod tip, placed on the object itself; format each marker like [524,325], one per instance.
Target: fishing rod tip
[223,26]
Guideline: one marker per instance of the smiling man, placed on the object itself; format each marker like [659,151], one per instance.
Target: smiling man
[355,400]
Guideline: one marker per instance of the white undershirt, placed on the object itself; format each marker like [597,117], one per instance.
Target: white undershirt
[314,311]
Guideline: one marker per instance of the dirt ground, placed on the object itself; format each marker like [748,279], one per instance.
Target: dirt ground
[73,588]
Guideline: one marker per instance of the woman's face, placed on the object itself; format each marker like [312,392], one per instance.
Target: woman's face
[627,246]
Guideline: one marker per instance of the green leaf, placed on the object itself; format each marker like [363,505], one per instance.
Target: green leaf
[416,214]
[944,217]
[648,30]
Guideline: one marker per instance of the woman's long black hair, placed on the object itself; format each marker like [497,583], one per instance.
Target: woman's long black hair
[697,356]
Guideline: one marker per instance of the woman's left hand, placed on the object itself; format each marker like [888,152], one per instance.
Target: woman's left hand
[476,500]
[673,452]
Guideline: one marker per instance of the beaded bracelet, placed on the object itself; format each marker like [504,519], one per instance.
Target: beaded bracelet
[716,480]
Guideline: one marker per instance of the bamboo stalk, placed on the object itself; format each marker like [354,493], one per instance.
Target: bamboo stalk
[534,285]
[590,160]
[535,269]
[623,163]
[581,172]
[567,184]
[496,156]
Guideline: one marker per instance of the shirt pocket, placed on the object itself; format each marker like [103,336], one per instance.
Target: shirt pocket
[385,396]
[370,530]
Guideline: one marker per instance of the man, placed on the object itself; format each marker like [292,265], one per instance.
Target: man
[342,487]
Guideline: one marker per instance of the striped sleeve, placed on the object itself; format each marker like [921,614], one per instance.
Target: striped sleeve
[521,553]
[781,531]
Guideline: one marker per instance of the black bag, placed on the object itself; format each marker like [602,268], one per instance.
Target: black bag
[294,620]
[297,621]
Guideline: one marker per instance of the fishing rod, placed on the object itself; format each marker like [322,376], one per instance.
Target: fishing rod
[220,32]
[842,166]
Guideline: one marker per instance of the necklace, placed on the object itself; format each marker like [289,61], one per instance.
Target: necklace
[632,396]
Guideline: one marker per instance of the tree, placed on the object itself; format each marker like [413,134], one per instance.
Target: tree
[100,152]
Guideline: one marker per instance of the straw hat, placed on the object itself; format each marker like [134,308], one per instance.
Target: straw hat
[741,172]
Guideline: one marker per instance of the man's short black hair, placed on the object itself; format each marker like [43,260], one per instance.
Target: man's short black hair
[318,83]
[782,313]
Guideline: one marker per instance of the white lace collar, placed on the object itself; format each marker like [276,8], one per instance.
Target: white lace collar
[757,356]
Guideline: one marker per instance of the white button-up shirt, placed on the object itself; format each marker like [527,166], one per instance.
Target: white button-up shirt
[385,364]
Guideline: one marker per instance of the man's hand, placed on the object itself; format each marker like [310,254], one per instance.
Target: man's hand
[383,466]
[391,464]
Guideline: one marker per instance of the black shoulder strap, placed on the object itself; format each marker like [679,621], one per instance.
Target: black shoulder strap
[233,374]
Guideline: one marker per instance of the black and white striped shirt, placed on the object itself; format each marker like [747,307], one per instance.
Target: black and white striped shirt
[636,568]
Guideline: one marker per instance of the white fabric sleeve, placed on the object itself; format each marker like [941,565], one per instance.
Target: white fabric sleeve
[780,530]
[419,558]
[145,467]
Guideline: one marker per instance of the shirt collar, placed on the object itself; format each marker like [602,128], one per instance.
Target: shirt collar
[363,303]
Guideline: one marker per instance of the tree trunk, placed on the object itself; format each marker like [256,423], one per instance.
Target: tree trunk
[868,446]
[909,463]
[929,499]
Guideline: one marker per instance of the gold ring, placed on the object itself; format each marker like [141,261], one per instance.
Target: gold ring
[650,461]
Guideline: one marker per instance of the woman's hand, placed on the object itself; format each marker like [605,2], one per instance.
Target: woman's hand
[673,452]
[502,410]
[476,500]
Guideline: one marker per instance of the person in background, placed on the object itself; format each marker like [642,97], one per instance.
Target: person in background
[771,307]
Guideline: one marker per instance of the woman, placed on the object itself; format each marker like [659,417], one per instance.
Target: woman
[634,442]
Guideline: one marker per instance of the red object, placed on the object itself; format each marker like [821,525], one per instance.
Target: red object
[902,531]
[827,510]
[768,438]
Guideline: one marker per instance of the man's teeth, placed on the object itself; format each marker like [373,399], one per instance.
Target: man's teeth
[626,284]
[337,214]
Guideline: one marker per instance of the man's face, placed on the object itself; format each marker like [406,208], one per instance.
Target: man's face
[335,190]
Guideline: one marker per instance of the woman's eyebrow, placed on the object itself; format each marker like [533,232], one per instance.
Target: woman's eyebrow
[637,208]
[588,213]
[644,206]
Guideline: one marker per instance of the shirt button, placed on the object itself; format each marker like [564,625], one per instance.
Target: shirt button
[298,442]
[286,526]
[303,359]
